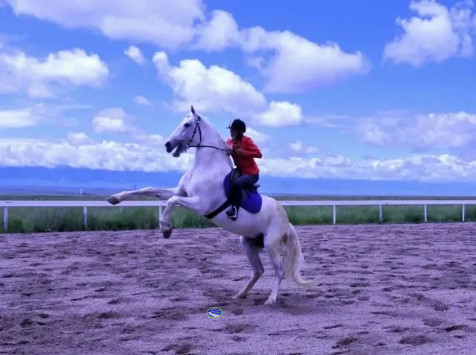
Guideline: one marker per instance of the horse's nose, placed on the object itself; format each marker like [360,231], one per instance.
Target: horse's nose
[168,147]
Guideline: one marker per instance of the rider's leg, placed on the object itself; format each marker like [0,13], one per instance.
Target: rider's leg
[238,185]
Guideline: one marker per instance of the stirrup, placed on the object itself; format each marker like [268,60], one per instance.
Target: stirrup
[232,213]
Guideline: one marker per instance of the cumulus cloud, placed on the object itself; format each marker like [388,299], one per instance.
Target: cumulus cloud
[81,152]
[219,33]
[79,138]
[112,120]
[298,64]
[257,136]
[215,89]
[289,62]
[18,118]
[436,34]
[281,112]
[89,154]
[142,101]
[169,24]
[135,54]
[442,167]
[420,131]
[20,72]
[300,147]
[31,116]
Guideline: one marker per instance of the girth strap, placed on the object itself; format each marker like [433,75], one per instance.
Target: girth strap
[219,209]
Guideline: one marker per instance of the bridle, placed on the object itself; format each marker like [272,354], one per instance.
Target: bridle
[199,130]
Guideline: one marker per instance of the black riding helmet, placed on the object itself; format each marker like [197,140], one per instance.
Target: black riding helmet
[239,125]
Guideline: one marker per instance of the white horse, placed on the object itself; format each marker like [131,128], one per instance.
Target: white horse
[201,189]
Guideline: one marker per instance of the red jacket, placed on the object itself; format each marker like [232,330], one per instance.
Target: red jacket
[250,150]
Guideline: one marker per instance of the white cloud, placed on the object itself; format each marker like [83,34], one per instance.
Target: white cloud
[298,64]
[289,62]
[169,24]
[91,155]
[30,116]
[258,137]
[300,147]
[79,151]
[142,101]
[16,119]
[329,120]
[296,146]
[436,34]
[420,131]
[213,88]
[219,33]
[135,54]
[217,89]
[418,167]
[79,138]
[280,114]
[112,120]
[20,72]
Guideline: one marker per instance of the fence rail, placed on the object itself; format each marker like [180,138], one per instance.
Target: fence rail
[160,204]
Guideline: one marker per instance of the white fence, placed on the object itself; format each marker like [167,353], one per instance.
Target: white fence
[160,204]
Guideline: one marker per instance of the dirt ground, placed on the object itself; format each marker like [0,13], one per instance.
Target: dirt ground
[381,289]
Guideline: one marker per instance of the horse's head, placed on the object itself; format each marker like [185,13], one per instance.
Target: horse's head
[185,135]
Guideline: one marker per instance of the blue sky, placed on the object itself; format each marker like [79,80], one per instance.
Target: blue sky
[330,89]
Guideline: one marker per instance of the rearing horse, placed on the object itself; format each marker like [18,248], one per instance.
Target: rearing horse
[201,189]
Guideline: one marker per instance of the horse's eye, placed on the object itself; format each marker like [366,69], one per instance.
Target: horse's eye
[186,125]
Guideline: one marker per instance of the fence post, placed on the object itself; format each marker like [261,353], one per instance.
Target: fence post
[425,213]
[463,212]
[5,218]
[85,217]
[334,214]
[380,213]
[160,212]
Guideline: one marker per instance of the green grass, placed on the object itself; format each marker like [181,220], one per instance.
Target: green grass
[45,219]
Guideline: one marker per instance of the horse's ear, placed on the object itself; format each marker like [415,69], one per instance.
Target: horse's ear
[192,109]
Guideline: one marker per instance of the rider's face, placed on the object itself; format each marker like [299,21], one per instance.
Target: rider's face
[233,133]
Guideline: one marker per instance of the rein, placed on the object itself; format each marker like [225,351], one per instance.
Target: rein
[197,128]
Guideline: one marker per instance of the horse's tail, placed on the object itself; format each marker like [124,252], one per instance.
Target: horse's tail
[293,258]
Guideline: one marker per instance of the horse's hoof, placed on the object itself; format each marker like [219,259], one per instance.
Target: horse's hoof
[270,301]
[239,296]
[167,233]
[113,200]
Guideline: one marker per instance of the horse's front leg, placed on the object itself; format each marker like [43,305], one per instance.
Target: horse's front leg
[191,203]
[160,193]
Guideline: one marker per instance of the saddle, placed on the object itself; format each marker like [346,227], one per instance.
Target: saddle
[234,174]
[251,200]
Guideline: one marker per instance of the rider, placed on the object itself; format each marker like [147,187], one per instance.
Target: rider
[243,151]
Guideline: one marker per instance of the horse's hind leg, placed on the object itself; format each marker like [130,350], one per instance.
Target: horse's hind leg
[272,247]
[252,252]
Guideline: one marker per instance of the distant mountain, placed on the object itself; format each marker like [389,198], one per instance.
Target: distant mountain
[71,180]
[67,180]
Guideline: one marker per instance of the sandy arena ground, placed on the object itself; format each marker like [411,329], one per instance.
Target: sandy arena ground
[381,289]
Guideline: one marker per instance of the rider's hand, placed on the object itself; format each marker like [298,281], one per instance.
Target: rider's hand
[229,151]
[238,151]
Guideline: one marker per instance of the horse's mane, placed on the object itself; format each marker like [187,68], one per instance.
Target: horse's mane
[220,140]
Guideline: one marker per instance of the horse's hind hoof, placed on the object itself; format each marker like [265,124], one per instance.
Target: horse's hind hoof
[113,200]
[167,233]
[270,301]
